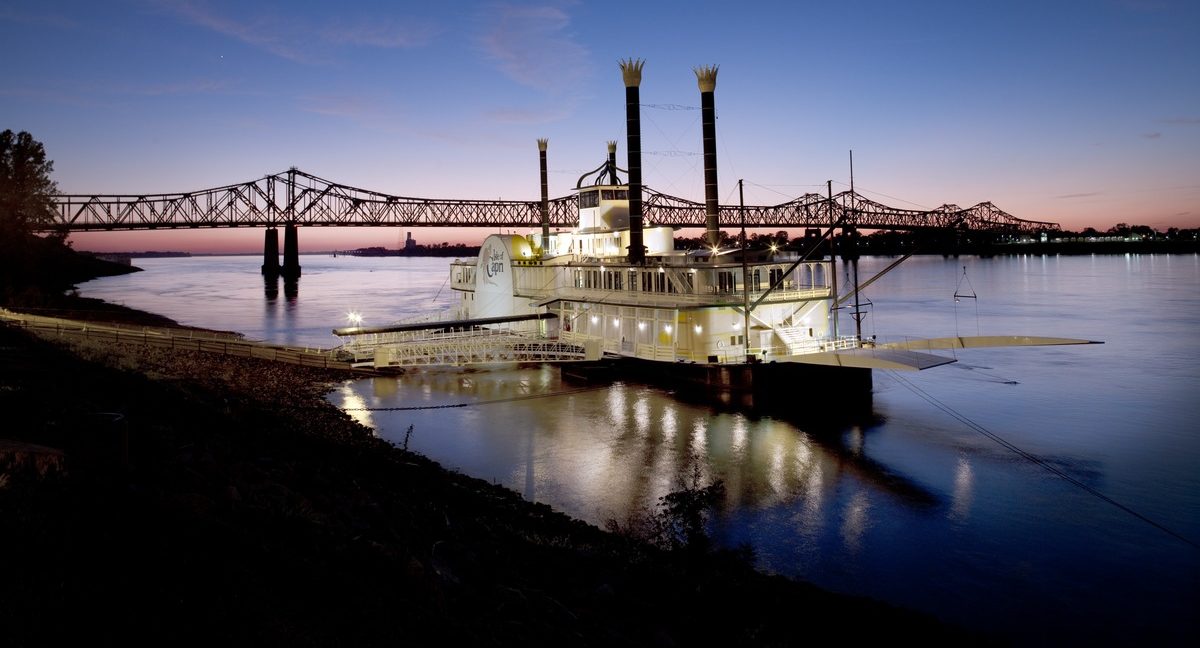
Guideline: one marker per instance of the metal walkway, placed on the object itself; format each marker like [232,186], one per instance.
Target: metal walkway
[461,344]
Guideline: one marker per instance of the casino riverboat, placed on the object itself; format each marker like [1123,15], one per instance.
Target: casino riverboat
[614,292]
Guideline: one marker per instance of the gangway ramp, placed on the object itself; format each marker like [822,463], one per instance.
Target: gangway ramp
[461,342]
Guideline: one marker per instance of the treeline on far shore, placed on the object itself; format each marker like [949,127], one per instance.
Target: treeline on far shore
[443,250]
[1122,239]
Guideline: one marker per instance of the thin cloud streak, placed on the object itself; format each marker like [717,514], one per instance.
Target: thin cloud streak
[264,35]
[197,87]
[57,21]
[364,111]
[531,46]
[288,39]
[1089,194]
[386,36]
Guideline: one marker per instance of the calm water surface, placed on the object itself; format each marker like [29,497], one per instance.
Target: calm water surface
[912,502]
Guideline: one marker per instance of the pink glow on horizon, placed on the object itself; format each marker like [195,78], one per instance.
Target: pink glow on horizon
[250,240]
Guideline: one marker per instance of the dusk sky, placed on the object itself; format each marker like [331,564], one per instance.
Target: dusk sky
[1083,113]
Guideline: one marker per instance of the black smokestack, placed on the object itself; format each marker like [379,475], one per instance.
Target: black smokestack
[612,163]
[631,70]
[706,78]
[545,207]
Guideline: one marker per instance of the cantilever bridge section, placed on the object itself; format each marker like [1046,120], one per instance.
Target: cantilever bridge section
[297,198]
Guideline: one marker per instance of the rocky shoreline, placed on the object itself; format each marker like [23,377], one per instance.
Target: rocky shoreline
[204,499]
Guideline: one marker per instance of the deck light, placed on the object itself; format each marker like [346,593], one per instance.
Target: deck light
[641,326]
[595,320]
[354,318]
[666,328]
[697,328]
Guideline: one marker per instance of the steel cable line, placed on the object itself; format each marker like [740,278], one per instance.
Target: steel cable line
[929,398]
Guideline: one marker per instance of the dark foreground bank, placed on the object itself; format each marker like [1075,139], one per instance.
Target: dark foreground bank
[152,495]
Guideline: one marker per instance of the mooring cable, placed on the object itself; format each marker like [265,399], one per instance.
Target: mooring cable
[929,398]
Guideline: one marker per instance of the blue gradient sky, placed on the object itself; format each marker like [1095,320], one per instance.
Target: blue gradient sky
[1084,113]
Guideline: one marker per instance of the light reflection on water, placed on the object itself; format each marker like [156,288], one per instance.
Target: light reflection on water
[904,502]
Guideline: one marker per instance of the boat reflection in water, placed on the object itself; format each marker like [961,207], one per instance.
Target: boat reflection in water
[610,450]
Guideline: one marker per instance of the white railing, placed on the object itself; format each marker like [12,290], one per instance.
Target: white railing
[172,338]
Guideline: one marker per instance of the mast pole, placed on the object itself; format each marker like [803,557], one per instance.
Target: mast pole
[854,260]
[745,274]
[832,260]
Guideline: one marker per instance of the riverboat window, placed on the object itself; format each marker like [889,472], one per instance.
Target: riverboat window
[725,281]
[647,282]
[660,282]
[756,279]
[614,194]
[774,275]
[589,199]
[633,279]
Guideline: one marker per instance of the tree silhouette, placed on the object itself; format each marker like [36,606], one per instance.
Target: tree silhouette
[34,270]
[26,190]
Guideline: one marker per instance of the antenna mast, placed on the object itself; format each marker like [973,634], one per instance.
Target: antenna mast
[858,313]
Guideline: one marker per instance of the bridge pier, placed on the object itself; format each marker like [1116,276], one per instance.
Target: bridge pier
[291,252]
[270,266]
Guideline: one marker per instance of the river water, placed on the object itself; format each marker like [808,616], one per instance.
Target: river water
[1046,495]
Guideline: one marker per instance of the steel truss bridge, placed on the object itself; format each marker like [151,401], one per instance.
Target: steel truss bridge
[297,198]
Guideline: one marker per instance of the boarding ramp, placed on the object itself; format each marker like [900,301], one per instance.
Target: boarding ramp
[457,343]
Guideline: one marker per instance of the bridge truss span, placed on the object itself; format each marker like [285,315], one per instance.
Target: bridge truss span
[302,199]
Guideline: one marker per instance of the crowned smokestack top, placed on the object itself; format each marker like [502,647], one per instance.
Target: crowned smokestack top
[706,78]
[545,206]
[631,72]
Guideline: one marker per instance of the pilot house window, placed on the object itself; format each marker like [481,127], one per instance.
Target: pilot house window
[589,199]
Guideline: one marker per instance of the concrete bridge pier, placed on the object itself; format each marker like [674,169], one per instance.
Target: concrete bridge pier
[270,266]
[291,252]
